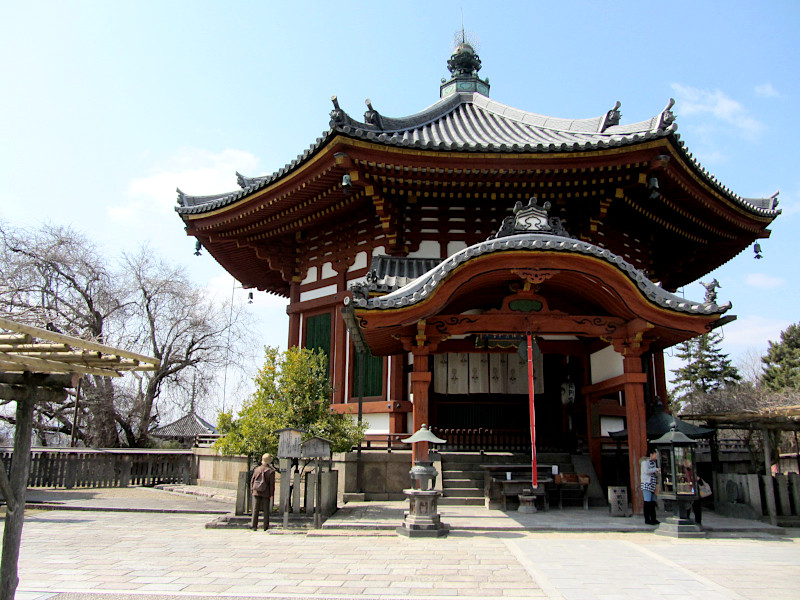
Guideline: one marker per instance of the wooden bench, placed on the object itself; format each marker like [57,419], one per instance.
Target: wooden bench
[573,485]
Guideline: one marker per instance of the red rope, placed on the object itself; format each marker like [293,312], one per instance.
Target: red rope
[534,474]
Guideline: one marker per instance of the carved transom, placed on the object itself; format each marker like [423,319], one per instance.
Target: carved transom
[535,277]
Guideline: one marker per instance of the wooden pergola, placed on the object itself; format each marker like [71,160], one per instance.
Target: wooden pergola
[38,365]
[778,418]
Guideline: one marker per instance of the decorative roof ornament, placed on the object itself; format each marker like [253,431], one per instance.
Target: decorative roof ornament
[612,117]
[337,114]
[531,219]
[667,116]
[711,290]
[244,182]
[464,65]
[372,116]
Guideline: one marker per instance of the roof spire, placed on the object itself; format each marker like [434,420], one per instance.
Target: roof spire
[464,65]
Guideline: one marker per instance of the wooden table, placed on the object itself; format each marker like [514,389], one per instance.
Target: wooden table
[518,487]
[497,486]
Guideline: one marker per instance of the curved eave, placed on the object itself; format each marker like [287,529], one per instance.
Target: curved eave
[424,287]
[622,295]
[194,205]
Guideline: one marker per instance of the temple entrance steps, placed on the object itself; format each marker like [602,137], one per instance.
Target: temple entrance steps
[463,477]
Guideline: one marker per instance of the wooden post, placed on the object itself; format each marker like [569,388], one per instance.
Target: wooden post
[286,476]
[15,496]
[420,382]
[339,348]
[294,317]
[637,433]
[26,394]
[318,496]
[769,485]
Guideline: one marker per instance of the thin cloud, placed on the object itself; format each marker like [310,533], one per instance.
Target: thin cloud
[753,331]
[694,101]
[765,90]
[763,281]
[195,171]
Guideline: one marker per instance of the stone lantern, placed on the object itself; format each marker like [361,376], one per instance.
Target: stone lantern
[676,457]
[422,519]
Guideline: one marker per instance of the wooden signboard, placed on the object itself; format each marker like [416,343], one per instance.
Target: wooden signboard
[316,447]
[289,442]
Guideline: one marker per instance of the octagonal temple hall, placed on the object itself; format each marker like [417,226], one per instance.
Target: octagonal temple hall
[430,246]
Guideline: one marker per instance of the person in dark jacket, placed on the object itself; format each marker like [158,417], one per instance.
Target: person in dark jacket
[262,486]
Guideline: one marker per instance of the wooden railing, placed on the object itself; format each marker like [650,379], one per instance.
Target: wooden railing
[73,467]
[508,440]
[206,440]
[388,441]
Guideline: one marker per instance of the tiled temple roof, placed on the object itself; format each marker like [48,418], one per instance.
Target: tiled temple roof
[422,287]
[389,273]
[187,426]
[472,122]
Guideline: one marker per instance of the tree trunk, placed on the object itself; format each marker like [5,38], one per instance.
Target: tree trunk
[15,507]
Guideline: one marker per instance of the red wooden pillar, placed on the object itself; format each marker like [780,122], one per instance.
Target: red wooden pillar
[420,382]
[294,317]
[397,420]
[636,420]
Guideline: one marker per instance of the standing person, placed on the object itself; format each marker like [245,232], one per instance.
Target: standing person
[703,491]
[262,486]
[649,479]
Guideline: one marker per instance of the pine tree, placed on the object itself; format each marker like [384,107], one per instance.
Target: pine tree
[782,361]
[707,368]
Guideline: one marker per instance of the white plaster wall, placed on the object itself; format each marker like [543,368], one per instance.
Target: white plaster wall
[610,423]
[379,251]
[453,247]
[311,275]
[328,290]
[376,422]
[427,249]
[327,271]
[360,262]
[606,364]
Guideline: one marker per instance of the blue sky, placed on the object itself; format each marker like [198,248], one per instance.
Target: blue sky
[109,106]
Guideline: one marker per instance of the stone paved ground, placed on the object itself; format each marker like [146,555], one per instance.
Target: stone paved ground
[94,554]
[77,555]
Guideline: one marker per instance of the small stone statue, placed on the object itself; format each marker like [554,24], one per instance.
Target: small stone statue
[711,290]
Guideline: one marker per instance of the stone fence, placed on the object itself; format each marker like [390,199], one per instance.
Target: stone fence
[752,496]
[82,467]
[384,475]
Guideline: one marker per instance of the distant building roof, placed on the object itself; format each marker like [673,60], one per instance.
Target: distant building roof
[190,425]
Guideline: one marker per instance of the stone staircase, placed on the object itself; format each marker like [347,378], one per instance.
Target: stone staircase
[462,475]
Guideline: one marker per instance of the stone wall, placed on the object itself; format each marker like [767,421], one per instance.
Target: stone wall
[384,476]
[215,470]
